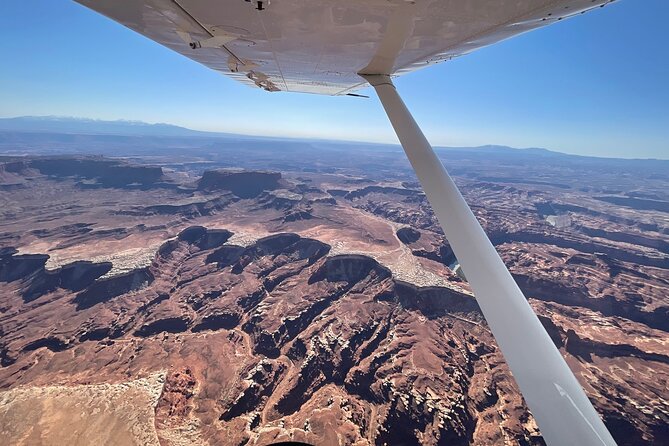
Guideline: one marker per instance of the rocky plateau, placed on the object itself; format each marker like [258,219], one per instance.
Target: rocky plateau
[212,306]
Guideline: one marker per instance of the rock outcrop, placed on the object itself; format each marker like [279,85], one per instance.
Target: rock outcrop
[106,172]
[244,184]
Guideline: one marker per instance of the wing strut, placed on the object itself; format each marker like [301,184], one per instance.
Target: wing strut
[556,399]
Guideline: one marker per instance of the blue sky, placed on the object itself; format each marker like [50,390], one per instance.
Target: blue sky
[594,85]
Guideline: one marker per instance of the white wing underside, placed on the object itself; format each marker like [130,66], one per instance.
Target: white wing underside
[320,46]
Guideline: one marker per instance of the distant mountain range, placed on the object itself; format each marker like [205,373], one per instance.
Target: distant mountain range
[37,128]
[59,124]
[84,126]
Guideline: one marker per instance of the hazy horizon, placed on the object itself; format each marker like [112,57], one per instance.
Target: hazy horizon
[138,124]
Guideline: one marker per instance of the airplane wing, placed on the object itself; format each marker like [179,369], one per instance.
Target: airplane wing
[320,46]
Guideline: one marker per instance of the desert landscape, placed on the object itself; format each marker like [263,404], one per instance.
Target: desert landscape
[193,291]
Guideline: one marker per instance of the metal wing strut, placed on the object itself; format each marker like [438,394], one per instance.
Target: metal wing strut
[556,399]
